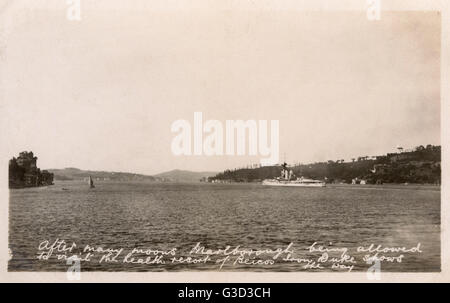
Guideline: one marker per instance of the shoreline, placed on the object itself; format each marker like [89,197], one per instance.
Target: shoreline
[411,186]
[388,186]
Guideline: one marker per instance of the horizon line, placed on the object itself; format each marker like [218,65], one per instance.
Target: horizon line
[404,150]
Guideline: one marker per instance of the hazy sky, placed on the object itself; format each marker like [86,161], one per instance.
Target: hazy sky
[102,93]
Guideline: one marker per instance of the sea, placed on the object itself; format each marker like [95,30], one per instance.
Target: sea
[157,226]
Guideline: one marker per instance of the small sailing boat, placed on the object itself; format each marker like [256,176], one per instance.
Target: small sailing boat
[91,182]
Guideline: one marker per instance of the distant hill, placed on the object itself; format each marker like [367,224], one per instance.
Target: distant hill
[184,175]
[71,173]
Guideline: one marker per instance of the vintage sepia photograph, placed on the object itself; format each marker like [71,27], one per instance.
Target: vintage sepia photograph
[149,137]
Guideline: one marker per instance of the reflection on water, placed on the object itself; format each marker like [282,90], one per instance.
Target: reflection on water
[167,215]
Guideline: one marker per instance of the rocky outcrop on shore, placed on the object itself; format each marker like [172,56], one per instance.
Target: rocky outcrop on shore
[23,172]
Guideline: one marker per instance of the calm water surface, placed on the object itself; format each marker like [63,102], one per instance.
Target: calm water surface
[167,215]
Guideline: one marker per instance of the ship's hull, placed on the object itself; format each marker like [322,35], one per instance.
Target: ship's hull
[292,183]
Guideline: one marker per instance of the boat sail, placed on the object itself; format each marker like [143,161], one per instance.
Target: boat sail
[91,182]
[287,178]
